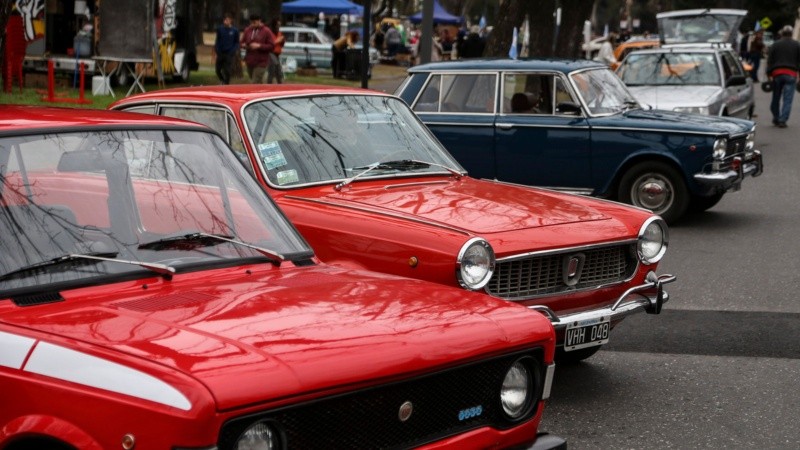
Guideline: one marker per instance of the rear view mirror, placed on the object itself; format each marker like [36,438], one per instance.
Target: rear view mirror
[568,108]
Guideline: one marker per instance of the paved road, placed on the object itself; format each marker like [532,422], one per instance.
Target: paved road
[720,368]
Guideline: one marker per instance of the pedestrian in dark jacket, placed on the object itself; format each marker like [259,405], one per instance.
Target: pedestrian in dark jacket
[226,45]
[783,64]
[258,42]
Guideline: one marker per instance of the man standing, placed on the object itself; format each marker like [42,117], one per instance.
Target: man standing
[756,51]
[258,42]
[783,63]
[225,47]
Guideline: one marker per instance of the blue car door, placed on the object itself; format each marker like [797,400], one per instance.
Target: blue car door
[539,139]
[459,108]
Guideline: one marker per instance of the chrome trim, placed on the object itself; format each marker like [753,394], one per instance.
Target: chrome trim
[566,250]
[648,297]
[664,240]
[465,124]
[489,272]
[731,179]
[537,125]
[549,374]
[382,213]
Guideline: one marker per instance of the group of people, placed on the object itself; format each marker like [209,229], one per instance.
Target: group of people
[262,47]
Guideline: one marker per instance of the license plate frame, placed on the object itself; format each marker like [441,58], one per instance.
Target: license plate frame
[587,333]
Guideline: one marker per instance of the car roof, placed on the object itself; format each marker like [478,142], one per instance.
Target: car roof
[701,11]
[15,118]
[555,64]
[239,94]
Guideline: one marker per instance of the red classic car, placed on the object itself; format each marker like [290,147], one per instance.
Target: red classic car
[152,296]
[369,187]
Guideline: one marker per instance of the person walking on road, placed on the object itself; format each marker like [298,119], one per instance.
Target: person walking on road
[226,45]
[275,71]
[258,42]
[783,64]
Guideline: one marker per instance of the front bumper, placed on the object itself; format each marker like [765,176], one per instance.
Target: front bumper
[731,177]
[648,297]
[546,441]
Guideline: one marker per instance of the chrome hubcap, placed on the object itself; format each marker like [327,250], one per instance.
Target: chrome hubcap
[653,192]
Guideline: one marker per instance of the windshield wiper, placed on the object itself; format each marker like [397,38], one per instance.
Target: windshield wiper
[160,269]
[401,164]
[199,239]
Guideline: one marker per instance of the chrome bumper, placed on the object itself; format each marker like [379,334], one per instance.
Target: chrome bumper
[731,179]
[648,297]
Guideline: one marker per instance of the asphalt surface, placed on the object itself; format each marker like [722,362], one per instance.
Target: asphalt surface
[720,367]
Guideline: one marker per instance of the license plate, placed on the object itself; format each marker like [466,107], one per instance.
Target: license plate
[586,333]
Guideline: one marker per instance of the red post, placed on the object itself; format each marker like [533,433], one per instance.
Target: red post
[81,100]
[50,81]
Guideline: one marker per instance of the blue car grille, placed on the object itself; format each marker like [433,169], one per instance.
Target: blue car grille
[540,275]
[445,403]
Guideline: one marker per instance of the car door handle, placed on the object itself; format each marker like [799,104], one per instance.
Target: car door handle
[505,126]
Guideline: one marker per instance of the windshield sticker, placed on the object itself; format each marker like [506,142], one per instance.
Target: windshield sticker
[271,155]
[287,176]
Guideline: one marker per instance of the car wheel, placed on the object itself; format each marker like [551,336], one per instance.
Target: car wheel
[701,203]
[655,186]
[575,356]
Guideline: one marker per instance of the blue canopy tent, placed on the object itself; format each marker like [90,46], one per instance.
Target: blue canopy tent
[322,6]
[439,16]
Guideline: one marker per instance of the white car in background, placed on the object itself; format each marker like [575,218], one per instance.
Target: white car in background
[310,45]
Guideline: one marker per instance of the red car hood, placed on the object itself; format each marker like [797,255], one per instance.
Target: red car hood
[278,333]
[476,206]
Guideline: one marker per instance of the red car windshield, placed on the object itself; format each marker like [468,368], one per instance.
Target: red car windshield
[168,197]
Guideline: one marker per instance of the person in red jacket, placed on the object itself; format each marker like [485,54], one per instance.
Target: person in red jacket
[258,42]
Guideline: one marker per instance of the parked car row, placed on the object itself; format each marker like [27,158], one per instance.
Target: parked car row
[265,266]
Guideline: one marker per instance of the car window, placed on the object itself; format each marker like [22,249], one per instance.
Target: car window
[144,109]
[218,120]
[528,93]
[290,36]
[562,95]
[308,38]
[731,65]
[429,100]
[468,93]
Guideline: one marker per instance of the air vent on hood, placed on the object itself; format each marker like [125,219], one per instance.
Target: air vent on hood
[169,301]
[37,299]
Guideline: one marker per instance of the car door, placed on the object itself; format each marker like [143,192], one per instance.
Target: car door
[320,52]
[738,97]
[459,108]
[536,141]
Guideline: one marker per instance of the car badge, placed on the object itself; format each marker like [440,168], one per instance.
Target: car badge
[405,411]
[573,265]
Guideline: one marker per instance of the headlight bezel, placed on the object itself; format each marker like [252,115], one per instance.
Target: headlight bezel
[650,257]
[532,386]
[750,141]
[465,281]
[720,148]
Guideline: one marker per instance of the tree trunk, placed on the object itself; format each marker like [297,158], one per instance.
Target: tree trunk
[570,34]
[5,12]
[273,10]
[511,14]
[541,25]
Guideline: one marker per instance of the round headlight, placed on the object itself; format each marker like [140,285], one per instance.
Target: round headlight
[259,436]
[517,390]
[475,264]
[750,142]
[653,238]
[720,148]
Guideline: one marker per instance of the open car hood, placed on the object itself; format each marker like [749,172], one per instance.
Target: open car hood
[700,26]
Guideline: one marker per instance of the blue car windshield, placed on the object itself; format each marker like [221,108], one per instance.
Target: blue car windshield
[602,91]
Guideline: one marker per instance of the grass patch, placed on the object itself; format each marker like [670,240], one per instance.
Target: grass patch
[203,77]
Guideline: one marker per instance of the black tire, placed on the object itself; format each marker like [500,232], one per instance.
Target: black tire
[656,186]
[700,204]
[575,356]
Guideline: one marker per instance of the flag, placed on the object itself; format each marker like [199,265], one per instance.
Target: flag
[512,52]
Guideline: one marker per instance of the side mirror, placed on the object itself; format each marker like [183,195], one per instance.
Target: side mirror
[568,108]
[736,80]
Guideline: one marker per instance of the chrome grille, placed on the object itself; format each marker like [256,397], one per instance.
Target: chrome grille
[543,274]
[736,145]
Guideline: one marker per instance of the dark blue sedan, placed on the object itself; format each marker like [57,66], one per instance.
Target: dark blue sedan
[572,125]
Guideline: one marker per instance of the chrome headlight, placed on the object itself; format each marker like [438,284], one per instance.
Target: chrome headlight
[475,264]
[720,148]
[259,436]
[750,141]
[692,109]
[653,239]
[517,391]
